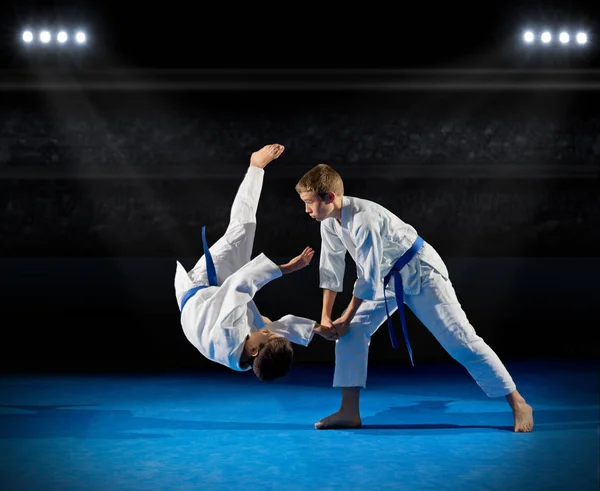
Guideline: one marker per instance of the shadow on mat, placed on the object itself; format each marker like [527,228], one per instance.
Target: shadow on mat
[68,422]
[64,422]
[423,412]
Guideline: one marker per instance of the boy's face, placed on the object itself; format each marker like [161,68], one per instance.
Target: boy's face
[258,338]
[318,208]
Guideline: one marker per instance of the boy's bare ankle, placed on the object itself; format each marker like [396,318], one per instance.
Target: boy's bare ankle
[515,399]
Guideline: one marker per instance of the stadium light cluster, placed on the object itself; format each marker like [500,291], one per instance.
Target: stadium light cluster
[58,36]
[547,37]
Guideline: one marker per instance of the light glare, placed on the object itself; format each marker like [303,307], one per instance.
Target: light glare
[45,36]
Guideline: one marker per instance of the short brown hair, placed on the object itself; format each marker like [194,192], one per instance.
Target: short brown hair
[274,360]
[321,180]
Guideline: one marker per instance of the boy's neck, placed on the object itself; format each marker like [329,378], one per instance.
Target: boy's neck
[245,356]
[338,204]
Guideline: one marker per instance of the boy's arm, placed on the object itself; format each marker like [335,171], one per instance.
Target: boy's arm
[342,324]
[369,255]
[328,301]
[239,288]
[332,265]
[350,312]
[298,330]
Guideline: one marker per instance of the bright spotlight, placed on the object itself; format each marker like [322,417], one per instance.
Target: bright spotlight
[45,37]
[563,37]
[528,37]
[62,37]
[80,37]
[546,37]
[27,36]
[581,37]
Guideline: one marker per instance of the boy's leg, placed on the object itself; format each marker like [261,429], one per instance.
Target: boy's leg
[234,248]
[351,360]
[437,307]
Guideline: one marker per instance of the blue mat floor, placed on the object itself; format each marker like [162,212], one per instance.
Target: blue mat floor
[425,428]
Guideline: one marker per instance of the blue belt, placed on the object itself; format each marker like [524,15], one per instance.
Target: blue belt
[210,271]
[399,291]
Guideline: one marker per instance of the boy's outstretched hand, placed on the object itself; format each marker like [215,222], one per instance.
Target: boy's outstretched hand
[299,262]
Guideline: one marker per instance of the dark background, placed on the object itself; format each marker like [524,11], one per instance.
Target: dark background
[308,34]
[109,173]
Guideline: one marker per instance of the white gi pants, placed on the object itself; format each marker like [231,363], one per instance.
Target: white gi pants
[437,307]
[234,249]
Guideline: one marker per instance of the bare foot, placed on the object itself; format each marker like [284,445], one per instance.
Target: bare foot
[261,158]
[523,415]
[339,420]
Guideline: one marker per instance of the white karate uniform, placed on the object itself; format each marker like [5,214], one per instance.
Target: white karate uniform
[218,319]
[375,239]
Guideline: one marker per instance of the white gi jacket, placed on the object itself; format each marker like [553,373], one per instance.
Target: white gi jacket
[375,239]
